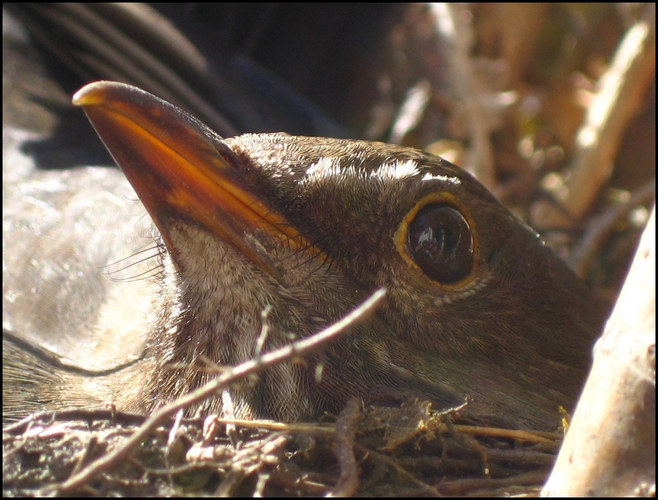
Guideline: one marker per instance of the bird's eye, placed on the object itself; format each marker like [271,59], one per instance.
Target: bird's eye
[440,242]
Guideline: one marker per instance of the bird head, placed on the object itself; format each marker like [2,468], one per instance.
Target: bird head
[270,237]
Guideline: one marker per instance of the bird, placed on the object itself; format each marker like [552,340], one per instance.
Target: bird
[285,234]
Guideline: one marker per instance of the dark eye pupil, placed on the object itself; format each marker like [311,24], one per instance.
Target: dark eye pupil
[441,243]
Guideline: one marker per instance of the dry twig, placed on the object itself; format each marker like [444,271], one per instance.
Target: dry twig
[299,348]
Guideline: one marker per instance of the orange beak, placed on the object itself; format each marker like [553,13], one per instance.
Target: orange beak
[181,169]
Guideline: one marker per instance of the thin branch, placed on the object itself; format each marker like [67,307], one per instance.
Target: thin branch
[610,449]
[300,348]
[454,27]
[620,94]
[343,448]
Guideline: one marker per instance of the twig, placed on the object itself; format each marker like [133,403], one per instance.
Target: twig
[411,111]
[299,348]
[520,435]
[66,415]
[601,227]
[346,427]
[460,487]
[457,33]
[400,470]
[620,95]
[610,449]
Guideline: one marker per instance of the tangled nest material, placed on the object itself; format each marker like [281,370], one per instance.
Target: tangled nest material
[406,451]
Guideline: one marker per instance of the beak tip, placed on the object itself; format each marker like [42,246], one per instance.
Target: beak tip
[87,95]
[95,93]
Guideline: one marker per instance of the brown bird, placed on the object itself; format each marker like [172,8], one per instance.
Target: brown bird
[303,228]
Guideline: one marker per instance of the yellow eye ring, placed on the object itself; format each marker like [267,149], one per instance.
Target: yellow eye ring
[449,240]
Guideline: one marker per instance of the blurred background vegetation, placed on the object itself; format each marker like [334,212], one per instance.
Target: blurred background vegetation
[551,106]
[503,90]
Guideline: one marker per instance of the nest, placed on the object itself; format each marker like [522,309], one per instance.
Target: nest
[411,450]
